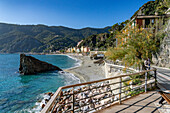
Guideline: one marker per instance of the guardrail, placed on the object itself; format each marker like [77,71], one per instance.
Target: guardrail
[96,95]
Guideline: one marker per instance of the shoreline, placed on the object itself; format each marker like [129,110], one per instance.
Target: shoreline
[68,70]
[87,70]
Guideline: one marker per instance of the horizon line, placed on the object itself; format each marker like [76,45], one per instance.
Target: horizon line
[10,23]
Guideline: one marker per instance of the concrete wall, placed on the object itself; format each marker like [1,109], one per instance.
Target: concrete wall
[108,74]
[112,70]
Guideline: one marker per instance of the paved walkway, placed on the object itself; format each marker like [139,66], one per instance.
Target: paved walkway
[163,77]
[143,103]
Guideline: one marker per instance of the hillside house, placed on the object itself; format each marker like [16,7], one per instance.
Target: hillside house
[144,21]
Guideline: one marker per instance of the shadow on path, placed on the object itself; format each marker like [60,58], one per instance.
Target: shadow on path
[142,107]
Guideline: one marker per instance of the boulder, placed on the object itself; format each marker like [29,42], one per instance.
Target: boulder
[49,93]
[43,105]
[30,65]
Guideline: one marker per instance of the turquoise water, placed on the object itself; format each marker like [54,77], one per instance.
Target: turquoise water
[19,93]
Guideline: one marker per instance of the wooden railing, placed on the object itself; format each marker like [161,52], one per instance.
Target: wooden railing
[96,95]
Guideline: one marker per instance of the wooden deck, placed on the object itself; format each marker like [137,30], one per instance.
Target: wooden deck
[143,103]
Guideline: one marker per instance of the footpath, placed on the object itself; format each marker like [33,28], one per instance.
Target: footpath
[146,102]
[143,103]
[163,78]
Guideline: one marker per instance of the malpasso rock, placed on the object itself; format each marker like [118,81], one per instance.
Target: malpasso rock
[30,65]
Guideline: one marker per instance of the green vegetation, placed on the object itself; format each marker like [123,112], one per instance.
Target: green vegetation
[152,7]
[39,38]
[137,81]
[129,92]
[99,41]
[104,40]
[133,93]
[136,46]
[162,7]
[119,26]
[62,50]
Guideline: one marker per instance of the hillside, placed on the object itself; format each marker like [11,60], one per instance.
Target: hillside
[104,40]
[38,38]
[99,41]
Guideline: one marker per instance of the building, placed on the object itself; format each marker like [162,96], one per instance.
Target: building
[69,50]
[139,19]
[84,49]
[78,50]
[144,21]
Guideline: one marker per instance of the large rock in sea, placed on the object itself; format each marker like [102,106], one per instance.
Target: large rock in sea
[30,65]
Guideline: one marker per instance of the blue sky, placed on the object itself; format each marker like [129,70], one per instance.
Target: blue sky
[69,13]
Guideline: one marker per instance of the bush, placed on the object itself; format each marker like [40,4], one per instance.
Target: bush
[136,81]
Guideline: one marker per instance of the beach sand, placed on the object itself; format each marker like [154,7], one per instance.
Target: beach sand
[88,71]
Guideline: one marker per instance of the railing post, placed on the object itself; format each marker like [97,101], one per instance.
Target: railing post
[145,82]
[155,77]
[120,87]
[73,100]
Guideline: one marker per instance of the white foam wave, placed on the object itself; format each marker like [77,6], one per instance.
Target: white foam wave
[69,76]
[70,79]
[38,105]
[77,64]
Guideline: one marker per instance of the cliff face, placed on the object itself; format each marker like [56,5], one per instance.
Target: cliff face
[163,59]
[30,65]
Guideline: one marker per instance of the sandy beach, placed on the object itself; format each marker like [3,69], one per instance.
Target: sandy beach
[87,71]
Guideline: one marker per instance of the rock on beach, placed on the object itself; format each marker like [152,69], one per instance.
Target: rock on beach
[30,65]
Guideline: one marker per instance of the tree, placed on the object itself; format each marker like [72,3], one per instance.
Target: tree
[162,7]
[119,26]
[137,44]
[62,51]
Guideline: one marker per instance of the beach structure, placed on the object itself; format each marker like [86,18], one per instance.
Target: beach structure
[84,49]
[78,50]
[69,50]
[97,52]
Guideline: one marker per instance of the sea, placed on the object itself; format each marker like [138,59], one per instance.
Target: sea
[20,93]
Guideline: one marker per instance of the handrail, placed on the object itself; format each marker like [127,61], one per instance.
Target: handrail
[51,104]
[74,85]
[51,101]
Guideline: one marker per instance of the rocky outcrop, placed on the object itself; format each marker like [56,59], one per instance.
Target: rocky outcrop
[30,65]
[163,58]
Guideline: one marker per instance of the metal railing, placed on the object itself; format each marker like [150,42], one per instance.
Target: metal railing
[96,95]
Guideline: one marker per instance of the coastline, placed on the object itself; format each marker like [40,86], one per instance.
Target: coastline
[87,70]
